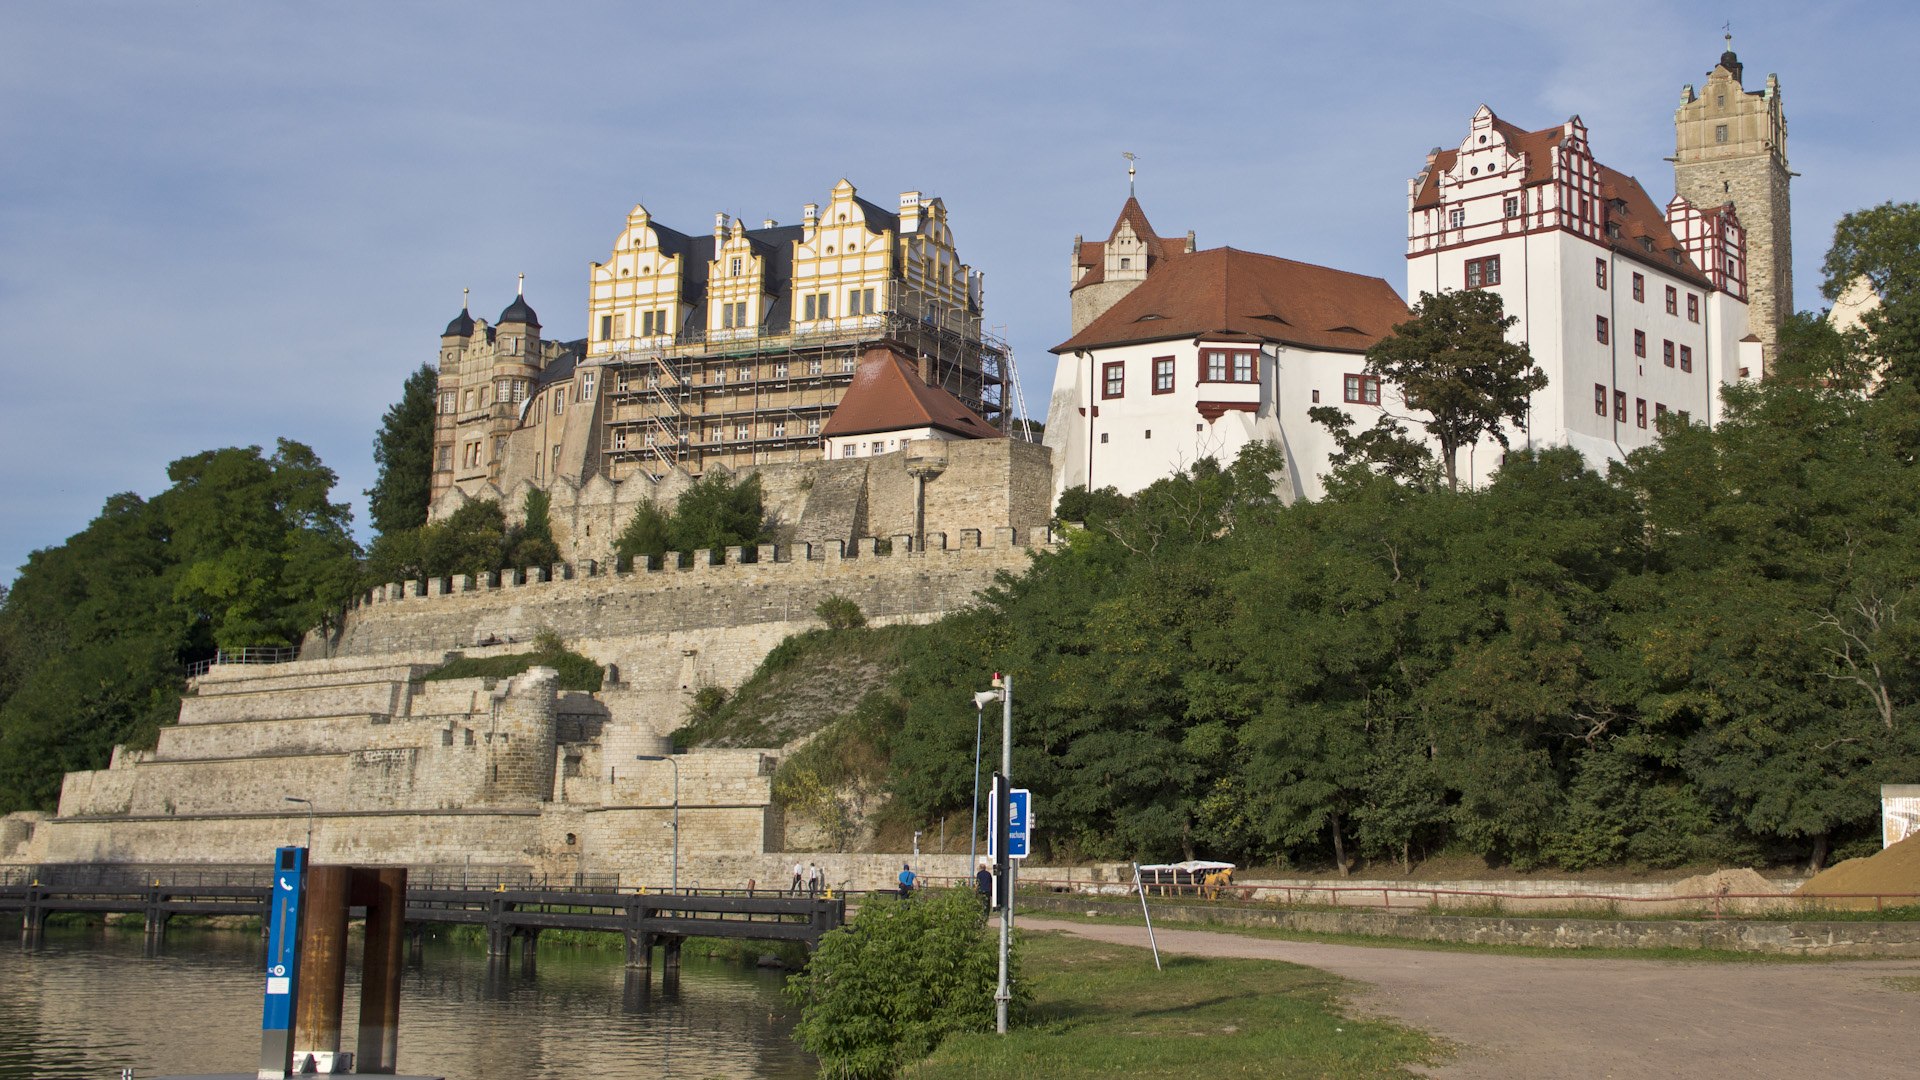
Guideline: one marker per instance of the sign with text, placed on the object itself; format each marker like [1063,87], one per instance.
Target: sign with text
[1019,824]
[283,960]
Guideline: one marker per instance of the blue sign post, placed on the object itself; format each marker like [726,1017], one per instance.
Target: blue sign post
[283,962]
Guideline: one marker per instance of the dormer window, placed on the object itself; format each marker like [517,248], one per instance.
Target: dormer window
[733,268]
[1126,263]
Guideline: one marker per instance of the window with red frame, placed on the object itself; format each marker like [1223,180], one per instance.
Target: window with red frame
[1620,405]
[1640,344]
[1363,389]
[1673,300]
[1600,273]
[1666,353]
[1163,374]
[1483,272]
[1659,411]
[1113,379]
[1693,307]
[1600,331]
[1686,358]
[1640,411]
[1599,399]
[1640,288]
[1228,365]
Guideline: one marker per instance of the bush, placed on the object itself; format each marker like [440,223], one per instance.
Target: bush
[840,613]
[577,672]
[899,978]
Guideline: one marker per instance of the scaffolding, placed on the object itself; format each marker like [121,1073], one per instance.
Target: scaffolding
[743,397]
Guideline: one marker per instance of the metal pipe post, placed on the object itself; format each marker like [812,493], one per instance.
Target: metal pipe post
[1002,996]
[323,967]
[383,893]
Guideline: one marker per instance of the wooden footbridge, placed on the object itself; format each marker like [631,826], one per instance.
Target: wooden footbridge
[644,918]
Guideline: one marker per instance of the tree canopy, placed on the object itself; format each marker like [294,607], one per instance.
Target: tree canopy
[715,512]
[403,456]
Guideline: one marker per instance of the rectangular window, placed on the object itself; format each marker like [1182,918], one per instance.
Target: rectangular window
[813,367]
[745,374]
[743,431]
[1673,300]
[1600,331]
[586,387]
[726,316]
[848,363]
[1243,367]
[620,439]
[733,268]
[1640,344]
[1719,133]
[1222,365]
[444,459]
[780,370]
[606,327]
[1640,287]
[1457,217]
[1693,307]
[620,326]
[1113,379]
[825,308]
[807,306]
[779,431]
[1362,389]
[813,427]
[1483,272]
[877,446]
[1511,206]
[1600,272]
[848,449]
[1640,411]
[1599,399]
[1215,364]
[1659,411]
[719,377]
[1666,353]
[1163,374]
[559,400]
[1686,358]
[1620,405]
[556,461]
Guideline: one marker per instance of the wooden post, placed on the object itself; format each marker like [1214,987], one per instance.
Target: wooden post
[323,967]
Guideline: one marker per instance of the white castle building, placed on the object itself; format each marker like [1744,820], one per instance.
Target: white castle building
[1632,310]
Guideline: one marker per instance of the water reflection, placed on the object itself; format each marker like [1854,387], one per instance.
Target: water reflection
[89,1003]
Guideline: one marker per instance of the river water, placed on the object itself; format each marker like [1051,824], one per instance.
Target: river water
[89,1003]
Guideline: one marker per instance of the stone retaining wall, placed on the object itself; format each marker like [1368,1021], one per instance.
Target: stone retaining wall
[1809,938]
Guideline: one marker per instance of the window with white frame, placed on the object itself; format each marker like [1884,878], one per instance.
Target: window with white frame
[1362,389]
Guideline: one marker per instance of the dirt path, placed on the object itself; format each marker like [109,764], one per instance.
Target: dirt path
[1541,1018]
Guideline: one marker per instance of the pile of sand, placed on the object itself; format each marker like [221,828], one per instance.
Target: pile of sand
[1895,870]
[1742,883]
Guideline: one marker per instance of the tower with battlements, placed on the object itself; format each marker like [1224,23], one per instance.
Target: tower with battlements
[1731,147]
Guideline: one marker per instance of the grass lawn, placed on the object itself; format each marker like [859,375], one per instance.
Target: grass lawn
[1101,1010]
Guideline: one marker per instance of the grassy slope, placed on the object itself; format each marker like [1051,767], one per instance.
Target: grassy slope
[1102,1010]
[805,683]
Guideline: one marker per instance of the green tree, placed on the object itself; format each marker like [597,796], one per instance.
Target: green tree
[403,457]
[531,542]
[647,536]
[718,512]
[471,540]
[1882,244]
[1452,361]
[896,981]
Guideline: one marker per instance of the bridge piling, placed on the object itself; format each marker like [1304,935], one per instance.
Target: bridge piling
[156,916]
[670,956]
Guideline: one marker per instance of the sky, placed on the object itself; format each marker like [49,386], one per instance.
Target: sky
[227,223]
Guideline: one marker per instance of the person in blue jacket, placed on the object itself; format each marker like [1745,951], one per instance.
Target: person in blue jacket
[906,881]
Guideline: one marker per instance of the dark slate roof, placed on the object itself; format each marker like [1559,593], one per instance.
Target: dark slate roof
[878,218]
[561,368]
[461,326]
[519,312]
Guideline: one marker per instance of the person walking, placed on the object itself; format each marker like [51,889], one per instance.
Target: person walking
[814,878]
[799,872]
[983,884]
[906,881]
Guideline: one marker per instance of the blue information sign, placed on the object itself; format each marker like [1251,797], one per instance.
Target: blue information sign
[1019,822]
[283,938]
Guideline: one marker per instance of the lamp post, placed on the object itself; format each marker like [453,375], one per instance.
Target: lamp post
[676,809]
[979,720]
[1003,691]
[308,803]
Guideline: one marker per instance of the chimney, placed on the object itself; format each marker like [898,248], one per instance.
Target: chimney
[810,214]
[719,227]
[909,211]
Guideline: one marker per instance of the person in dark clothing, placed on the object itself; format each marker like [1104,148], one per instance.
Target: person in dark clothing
[983,884]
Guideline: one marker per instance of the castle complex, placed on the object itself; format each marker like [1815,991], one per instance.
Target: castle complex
[843,360]
[1632,309]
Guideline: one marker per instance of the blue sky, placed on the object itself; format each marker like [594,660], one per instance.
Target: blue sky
[221,223]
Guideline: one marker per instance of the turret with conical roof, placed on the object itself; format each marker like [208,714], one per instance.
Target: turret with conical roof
[1105,272]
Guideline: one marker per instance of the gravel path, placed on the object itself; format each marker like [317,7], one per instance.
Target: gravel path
[1543,1018]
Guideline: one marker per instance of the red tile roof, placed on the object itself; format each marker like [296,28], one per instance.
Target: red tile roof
[887,395]
[1092,254]
[1227,293]
[1638,218]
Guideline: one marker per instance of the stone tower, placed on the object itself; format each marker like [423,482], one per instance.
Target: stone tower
[1731,146]
[1105,272]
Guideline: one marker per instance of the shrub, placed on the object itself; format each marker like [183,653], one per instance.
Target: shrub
[892,984]
[840,613]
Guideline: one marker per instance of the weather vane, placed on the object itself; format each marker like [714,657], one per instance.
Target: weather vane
[1131,158]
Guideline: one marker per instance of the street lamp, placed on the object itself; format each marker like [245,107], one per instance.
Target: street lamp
[1003,692]
[676,810]
[308,803]
[980,701]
